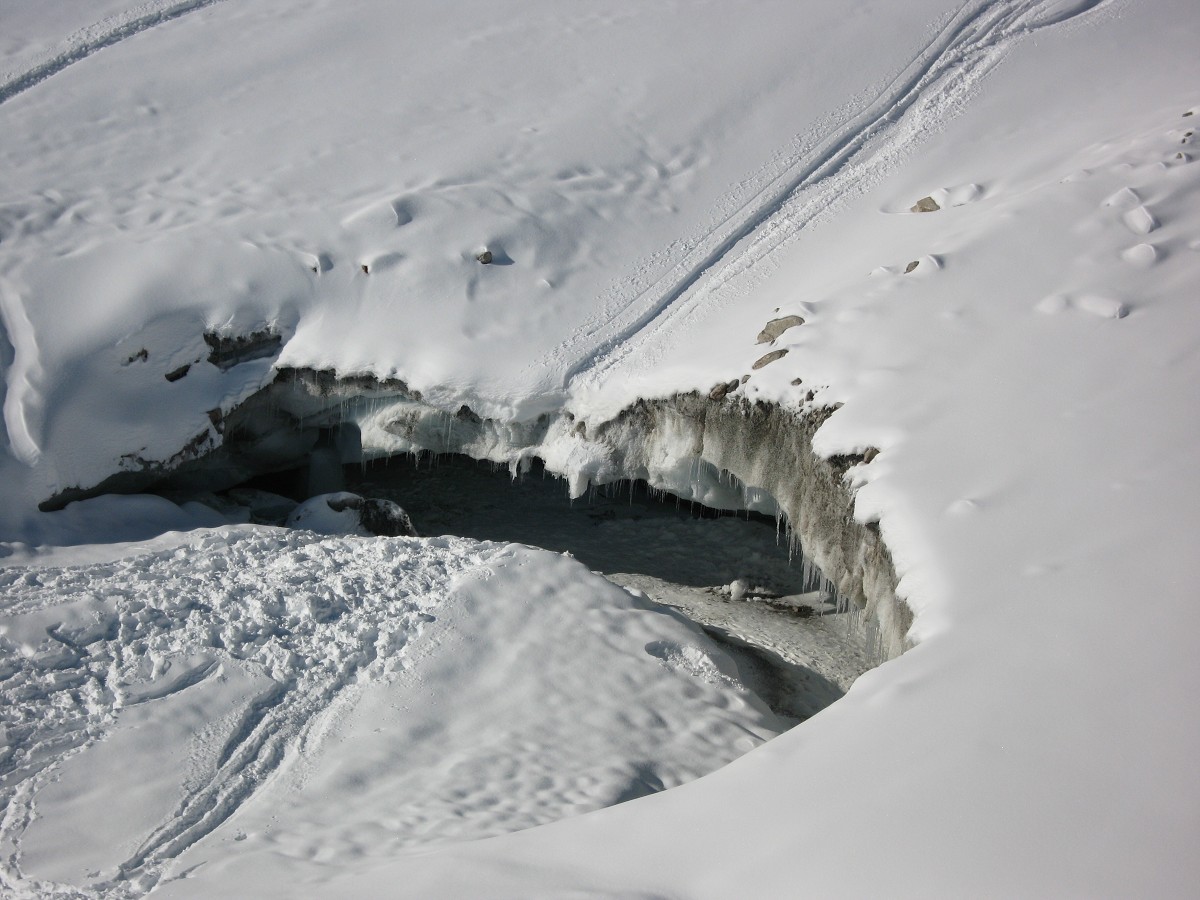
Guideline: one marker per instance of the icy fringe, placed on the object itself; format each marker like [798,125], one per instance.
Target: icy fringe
[727,454]
[736,454]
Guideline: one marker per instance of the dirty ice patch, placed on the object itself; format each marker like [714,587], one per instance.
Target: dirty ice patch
[204,696]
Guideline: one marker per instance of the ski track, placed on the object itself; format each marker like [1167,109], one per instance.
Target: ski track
[929,88]
[89,40]
[312,614]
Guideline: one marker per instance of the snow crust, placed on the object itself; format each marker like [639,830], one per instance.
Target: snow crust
[654,186]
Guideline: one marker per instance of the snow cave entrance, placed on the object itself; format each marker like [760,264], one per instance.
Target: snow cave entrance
[734,573]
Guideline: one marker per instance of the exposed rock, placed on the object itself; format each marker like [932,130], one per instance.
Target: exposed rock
[141,356]
[768,358]
[325,383]
[386,519]
[796,382]
[745,378]
[466,414]
[925,204]
[720,391]
[176,374]
[366,269]
[484,257]
[776,327]
[229,350]
[911,266]
[841,463]
[799,610]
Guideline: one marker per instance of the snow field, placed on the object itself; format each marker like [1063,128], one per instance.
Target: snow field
[484,688]
[221,200]
[1034,462]
[331,175]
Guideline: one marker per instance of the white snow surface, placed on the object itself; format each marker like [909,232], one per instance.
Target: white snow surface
[655,184]
[332,700]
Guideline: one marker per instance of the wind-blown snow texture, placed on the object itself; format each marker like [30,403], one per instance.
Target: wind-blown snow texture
[655,186]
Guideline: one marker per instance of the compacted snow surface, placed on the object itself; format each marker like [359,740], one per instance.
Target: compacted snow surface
[238,710]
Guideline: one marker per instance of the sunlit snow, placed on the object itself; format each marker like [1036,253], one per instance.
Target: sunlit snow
[980,221]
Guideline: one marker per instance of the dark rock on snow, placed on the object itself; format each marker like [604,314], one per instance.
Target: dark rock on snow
[768,358]
[776,327]
[229,350]
[379,517]
[720,391]
[176,374]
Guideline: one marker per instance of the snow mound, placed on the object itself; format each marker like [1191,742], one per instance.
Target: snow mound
[206,693]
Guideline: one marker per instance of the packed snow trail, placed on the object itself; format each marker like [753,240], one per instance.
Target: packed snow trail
[843,164]
[86,41]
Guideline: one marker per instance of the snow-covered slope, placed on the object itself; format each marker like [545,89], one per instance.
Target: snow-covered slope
[654,187]
[605,157]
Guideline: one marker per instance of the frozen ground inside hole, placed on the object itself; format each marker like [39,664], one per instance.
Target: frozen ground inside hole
[676,552]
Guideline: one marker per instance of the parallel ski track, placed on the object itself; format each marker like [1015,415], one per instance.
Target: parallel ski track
[86,41]
[965,49]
